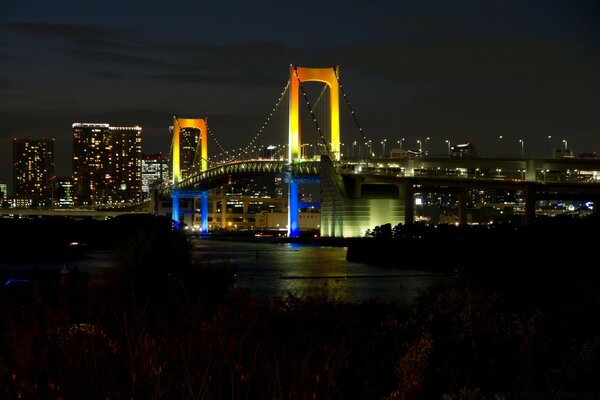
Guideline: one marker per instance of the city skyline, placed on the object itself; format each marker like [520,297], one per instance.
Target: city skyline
[466,72]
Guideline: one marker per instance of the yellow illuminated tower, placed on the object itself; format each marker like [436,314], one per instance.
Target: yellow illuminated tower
[182,142]
[329,76]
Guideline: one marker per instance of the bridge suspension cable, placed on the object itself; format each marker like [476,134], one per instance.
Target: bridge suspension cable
[237,153]
[360,129]
[221,148]
[268,120]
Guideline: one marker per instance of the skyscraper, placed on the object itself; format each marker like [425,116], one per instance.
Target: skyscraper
[154,170]
[33,170]
[63,192]
[126,161]
[91,163]
[107,163]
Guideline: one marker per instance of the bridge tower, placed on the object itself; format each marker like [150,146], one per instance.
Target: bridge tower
[329,76]
[202,150]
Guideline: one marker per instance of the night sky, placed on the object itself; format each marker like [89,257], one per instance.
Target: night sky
[466,70]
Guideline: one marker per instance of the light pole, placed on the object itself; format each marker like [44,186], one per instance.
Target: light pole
[426,140]
[566,145]
[448,144]
[401,142]
[549,144]
[303,152]
[498,146]
[522,146]
[420,147]
[383,147]
[353,152]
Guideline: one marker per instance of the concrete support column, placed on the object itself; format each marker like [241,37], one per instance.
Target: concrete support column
[224,212]
[357,188]
[530,171]
[409,203]
[463,198]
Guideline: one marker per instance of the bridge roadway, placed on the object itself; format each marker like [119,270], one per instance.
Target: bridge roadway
[499,171]
[358,195]
[68,212]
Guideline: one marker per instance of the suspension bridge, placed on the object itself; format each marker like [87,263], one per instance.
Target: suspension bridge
[357,193]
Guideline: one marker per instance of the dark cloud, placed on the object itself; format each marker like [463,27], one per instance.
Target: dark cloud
[237,79]
[77,32]
[116,58]
[109,75]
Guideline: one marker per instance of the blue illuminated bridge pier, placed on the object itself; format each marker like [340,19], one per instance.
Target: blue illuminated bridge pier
[359,193]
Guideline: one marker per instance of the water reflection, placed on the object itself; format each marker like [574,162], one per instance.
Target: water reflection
[267,269]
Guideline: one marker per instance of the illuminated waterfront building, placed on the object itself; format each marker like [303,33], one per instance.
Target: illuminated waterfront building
[154,171]
[33,170]
[126,163]
[91,163]
[63,192]
[107,163]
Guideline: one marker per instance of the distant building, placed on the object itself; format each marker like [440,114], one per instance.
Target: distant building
[33,171]
[563,153]
[107,163]
[154,171]
[91,163]
[126,163]
[63,192]
[3,192]
[463,150]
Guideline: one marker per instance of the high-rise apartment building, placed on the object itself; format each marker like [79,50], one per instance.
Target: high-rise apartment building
[107,164]
[33,171]
[126,160]
[91,163]
[63,192]
[154,171]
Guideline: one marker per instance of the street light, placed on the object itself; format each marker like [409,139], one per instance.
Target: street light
[566,145]
[448,143]
[522,146]
[401,142]
[426,140]
[420,147]
[498,146]
[383,146]
[353,152]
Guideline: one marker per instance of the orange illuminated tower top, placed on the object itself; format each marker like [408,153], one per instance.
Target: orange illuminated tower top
[178,125]
[328,76]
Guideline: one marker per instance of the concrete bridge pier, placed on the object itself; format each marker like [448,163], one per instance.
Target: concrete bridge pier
[407,193]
